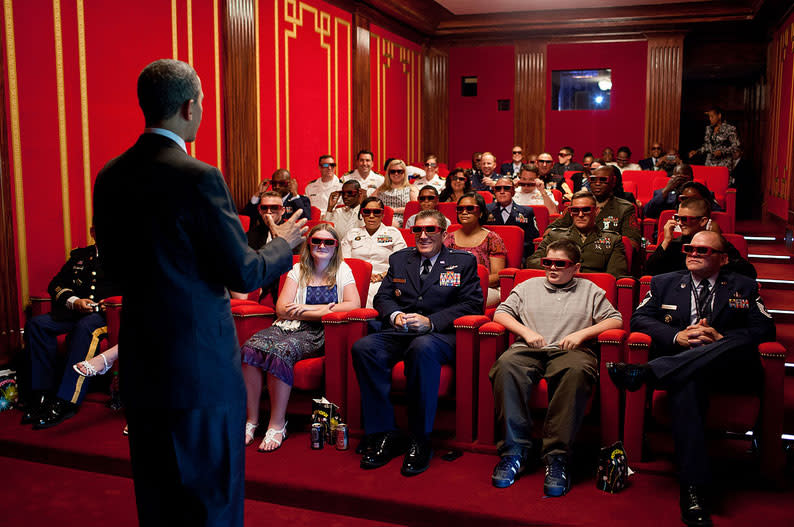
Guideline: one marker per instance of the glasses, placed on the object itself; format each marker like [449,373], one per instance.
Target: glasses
[552,263]
[564,154]
[327,165]
[685,219]
[371,212]
[584,211]
[396,171]
[698,250]
[528,185]
[503,188]
[544,161]
[270,208]
[599,179]
[323,241]
[427,198]
[431,165]
[622,159]
[516,152]
[350,193]
[467,208]
[427,229]
[460,178]
[656,148]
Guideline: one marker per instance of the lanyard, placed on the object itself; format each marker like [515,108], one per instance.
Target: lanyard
[709,299]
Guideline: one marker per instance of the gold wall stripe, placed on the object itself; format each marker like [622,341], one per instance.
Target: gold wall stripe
[174,41]
[190,54]
[84,120]
[258,95]
[16,151]
[62,146]
[276,24]
[216,51]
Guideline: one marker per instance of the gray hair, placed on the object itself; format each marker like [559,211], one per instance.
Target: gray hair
[164,86]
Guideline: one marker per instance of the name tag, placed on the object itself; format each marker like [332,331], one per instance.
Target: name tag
[670,306]
[449,279]
[398,280]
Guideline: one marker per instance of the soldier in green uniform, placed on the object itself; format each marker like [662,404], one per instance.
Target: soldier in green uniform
[602,250]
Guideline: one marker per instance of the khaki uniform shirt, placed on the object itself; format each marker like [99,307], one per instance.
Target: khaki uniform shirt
[602,251]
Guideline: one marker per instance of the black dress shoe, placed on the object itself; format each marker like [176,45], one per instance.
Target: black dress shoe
[33,408]
[417,460]
[362,445]
[55,412]
[629,377]
[694,511]
[381,449]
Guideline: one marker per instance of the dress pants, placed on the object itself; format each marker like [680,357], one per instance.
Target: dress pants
[41,341]
[730,364]
[570,376]
[375,355]
[188,465]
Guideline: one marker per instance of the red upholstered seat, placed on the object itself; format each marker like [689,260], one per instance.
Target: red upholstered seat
[388,215]
[465,163]
[487,196]
[717,180]
[643,179]
[411,208]
[245,221]
[541,217]
[449,209]
[316,213]
[512,236]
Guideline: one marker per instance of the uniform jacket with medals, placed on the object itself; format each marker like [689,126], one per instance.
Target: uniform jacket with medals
[81,276]
[617,215]
[520,216]
[602,251]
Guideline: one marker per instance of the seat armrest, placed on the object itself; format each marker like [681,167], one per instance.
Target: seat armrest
[612,344]
[336,328]
[773,357]
[113,318]
[251,318]
[648,228]
[730,207]
[507,277]
[493,342]
[357,320]
[627,299]
[637,351]
[466,361]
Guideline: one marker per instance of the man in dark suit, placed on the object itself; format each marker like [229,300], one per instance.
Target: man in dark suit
[667,198]
[426,288]
[651,163]
[181,382]
[505,211]
[514,168]
[705,324]
[282,183]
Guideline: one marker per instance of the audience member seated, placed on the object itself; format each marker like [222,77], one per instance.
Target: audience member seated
[696,189]
[513,168]
[485,245]
[319,190]
[608,156]
[614,214]
[282,183]
[720,141]
[319,284]
[425,289]
[76,292]
[705,324]
[623,159]
[395,192]
[505,211]
[565,164]
[458,183]
[692,218]
[556,320]
[532,190]
[476,164]
[669,161]
[742,171]
[369,180]
[485,179]
[545,164]
[428,200]
[652,162]
[431,176]
[667,198]
[602,250]
[345,215]
[373,243]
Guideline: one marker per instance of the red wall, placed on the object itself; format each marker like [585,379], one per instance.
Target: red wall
[624,122]
[474,122]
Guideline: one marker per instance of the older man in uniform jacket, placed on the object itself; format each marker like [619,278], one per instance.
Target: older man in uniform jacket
[705,324]
[602,250]
[75,292]
[181,382]
[505,211]
[425,289]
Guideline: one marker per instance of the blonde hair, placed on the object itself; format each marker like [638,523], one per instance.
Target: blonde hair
[307,262]
[387,180]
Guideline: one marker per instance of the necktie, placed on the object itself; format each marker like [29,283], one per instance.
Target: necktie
[704,305]
[505,215]
[425,270]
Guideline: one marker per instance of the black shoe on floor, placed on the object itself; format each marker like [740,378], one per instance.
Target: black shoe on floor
[381,449]
[55,412]
[694,511]
[33,408]
[557,482]
[417,460]
[629,377]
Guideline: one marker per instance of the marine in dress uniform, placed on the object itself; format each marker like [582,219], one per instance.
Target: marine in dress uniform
[617,215]
[602,251]
[81,278]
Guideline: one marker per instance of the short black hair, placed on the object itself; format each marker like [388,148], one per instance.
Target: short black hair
[568,247]
[567,149]
[369,200]
[324,156]
[365,152]
[352,183]
[625,149]
[164,86]
[476,196]
[429,187]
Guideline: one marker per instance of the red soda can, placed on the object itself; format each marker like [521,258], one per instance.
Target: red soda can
[342,439]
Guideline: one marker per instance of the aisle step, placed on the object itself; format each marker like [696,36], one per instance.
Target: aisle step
[775,283]
[781,258]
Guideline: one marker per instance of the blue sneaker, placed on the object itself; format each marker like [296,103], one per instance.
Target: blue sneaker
[506,471]
[556,483]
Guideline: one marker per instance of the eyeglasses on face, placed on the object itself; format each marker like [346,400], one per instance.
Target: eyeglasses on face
[655,147]
[371,212]
[599,179]
[517,152]
[622,159]
[327,165]
[503,188]
[322,241]
[563,154]
[460,178]
[396,171]
[350,193]
[431,165]
[528,184]
[280,182]
[544,161]
[467,208]
[428,229]
[427,198]
[685,219]
[698,250]
[270,208]
[553,263]
[584,211]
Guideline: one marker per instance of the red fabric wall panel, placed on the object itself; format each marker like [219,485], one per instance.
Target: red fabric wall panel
[624,122]
[395,101]
[781,130]
[475,125]
[305,50]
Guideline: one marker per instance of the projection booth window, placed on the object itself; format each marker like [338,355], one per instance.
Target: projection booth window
[581,89]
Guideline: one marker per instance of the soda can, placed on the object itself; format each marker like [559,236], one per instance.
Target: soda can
[342,439]
[318,441]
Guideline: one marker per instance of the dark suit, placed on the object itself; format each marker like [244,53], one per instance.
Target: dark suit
[509,169]
[181,380]
[520,216]
[687,374]
[291,204]
[450,291]
[649,163]
[672,259]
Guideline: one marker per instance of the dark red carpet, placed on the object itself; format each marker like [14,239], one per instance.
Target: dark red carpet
[303,483]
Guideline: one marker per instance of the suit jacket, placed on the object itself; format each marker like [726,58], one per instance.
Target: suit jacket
[672,259]
[509,169]
[520,216]
[291,204]
[452,290]
[738,310]
[174,264]
[647,163]
[81,276]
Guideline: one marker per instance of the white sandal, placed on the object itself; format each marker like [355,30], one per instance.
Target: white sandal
[90,371]
[270,436]
[250,430]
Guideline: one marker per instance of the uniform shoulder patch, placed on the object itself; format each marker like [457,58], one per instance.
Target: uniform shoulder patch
[645,300]
[762,308]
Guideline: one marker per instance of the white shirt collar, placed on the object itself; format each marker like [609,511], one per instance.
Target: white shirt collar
[712,280]
[169,134]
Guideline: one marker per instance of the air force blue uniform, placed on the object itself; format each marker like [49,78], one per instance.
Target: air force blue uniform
[451,290]
[520,216]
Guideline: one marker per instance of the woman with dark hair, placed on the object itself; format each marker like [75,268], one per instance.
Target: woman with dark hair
[720,141]
[320,283]
[458,183]
[485,245]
